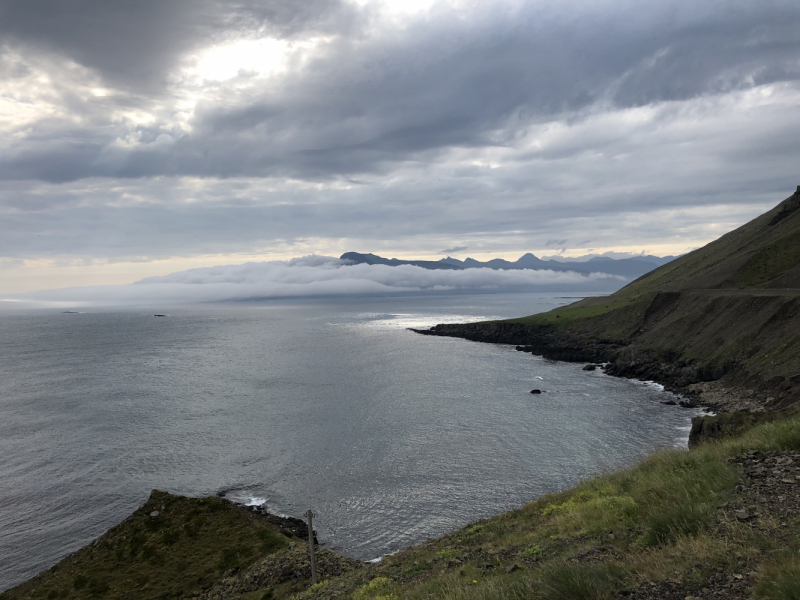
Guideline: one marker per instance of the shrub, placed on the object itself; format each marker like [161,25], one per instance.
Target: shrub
[532,552]
[79,582]
[171,536]
[578,582]
[781,582]
[684,519]
[379,587]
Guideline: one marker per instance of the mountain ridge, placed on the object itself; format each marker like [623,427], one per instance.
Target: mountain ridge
[627,267]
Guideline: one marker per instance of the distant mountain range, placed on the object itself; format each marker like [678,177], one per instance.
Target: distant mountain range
[626,267]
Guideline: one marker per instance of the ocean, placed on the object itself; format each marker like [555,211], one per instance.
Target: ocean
[331,404]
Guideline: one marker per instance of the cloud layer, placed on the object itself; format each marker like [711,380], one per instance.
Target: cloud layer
[170,129]
[312,276]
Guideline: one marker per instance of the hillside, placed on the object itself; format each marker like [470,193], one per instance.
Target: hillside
[728,313]
[176,547]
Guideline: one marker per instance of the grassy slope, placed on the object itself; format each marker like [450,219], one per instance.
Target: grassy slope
[756,255]
[736,300]
[184,550]
[667,520]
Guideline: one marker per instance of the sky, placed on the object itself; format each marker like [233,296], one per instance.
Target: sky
[140,139]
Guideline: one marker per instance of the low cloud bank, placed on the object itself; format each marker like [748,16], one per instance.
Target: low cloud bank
[313,275]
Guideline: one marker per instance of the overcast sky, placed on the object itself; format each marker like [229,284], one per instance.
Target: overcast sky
[141,138]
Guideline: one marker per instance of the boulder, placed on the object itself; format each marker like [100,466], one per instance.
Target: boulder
[589,368]
[706,428]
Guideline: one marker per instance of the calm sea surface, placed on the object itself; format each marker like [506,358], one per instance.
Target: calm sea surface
[389,436]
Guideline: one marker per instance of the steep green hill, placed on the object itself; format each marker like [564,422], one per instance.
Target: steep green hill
[764,253]
[729,310]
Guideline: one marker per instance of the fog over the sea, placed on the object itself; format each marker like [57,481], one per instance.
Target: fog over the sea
[143,138]
[310,276]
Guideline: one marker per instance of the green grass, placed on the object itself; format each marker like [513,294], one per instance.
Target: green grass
[770,262]
[564,316]
[655,522]
[780,580]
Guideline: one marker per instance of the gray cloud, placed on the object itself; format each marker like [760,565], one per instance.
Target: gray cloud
[503,127]
[135,46]
[453,250]
[356,107]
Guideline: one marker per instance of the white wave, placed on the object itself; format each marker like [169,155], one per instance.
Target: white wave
[254,501]
[314,275]
[654,385]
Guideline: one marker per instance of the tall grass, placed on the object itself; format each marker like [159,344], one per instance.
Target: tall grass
[665,516]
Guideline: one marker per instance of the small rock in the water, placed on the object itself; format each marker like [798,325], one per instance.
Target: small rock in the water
[159,315]
[669,402]
[589,368]
[154,514]
[536,391]
[742,515]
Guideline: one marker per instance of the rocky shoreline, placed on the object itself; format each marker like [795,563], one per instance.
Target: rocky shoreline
[698,386]
[288,526]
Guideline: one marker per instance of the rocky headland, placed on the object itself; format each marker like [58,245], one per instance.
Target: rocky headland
[719,326]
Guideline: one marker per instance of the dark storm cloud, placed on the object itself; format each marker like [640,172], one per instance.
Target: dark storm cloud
[135,45]
[373,99]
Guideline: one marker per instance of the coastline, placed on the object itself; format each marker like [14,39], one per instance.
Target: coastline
[733,409]
[700,389]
